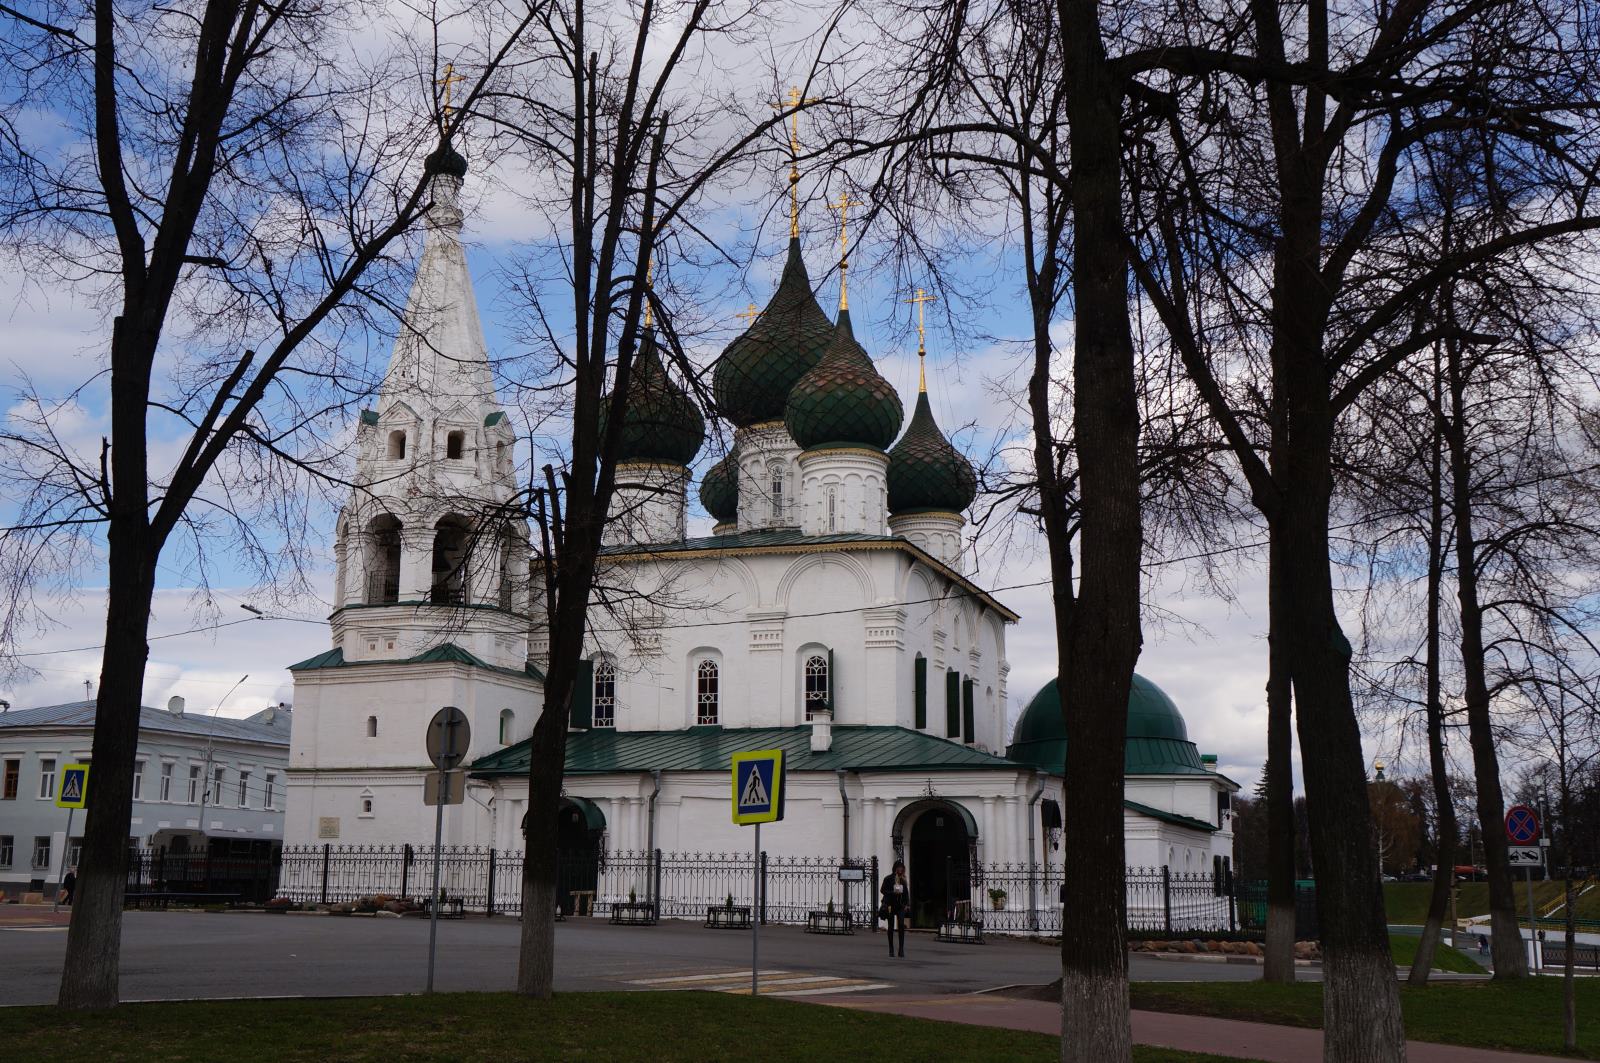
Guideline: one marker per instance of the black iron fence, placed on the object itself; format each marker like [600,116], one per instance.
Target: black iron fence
[1017,898]
[249,878]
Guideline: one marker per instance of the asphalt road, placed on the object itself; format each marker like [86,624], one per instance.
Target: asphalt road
[177,955]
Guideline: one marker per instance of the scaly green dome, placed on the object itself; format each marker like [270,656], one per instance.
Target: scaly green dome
[445,159]
[842,401]
[719,489]
[662,424]
[1158,739]
[753,377]
[925,471]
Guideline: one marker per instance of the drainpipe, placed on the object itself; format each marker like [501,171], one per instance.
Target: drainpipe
[1033,865]
[650,815]
[845,798]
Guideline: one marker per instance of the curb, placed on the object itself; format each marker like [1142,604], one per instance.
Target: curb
[1212,957]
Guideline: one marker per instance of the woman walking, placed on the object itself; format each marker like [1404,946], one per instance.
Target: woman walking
[896,892]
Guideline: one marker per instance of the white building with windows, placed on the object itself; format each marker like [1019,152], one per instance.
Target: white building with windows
[201,783]
[830,613]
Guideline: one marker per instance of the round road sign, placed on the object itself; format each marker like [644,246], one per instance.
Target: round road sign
[448,738]
[1522,825]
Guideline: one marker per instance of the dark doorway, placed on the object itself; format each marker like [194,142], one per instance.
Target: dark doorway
[939,871]
[579,834]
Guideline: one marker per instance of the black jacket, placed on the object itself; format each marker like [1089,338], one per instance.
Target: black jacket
[886,891]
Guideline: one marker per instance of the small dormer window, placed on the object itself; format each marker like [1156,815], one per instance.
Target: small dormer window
[454,444]
[397,445]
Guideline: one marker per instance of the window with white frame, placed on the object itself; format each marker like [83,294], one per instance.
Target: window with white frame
[833,510]
[41,851]
[138,780]
[166,782]
[817,679]
[268,788]
[13,773]
[194,784]
[707,698]
[216,786]
[605,694]
[74,851]
[47,778]
[775,479]
[8,845]
[244,789]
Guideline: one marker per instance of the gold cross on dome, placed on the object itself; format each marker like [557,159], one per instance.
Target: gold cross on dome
[919,299]
[843,206]
[749,315]
[449,81]
[795,100]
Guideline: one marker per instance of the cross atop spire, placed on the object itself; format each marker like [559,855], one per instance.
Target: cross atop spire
[794,100]
[447,82]
[749,314]
[919,299]
[843,205]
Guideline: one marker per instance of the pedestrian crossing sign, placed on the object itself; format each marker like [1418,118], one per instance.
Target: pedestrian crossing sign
[758,786]
[74,786]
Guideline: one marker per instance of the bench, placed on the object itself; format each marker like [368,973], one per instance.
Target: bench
[449,908]
[162,898]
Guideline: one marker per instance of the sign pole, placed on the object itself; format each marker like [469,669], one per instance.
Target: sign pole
[61,872]
[755,924]
[433,903]
[1533,927]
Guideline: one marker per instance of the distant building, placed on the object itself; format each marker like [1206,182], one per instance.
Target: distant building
[201,783]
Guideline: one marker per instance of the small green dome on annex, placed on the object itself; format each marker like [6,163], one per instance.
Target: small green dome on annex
[1158,739]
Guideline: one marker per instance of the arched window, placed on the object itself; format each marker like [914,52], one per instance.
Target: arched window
[449,562]
[397,445]
[775,478]
[707,692]
[372,727]
[383,560]
[366,804]
[508,720]
[818,691]
[833,510]
[454,444]
[605,694]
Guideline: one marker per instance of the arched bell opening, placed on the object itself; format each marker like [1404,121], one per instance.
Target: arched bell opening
[450,537]
[383,559]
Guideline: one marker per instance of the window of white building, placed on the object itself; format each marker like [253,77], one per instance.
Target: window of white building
[138,780]
[194,784]
[216,787]
[166,782]
[8,845]
[268,796]
[775,479]
[605,694]
[508,721]
[817,684]
[41,851]
[708,682]
[244,789]
[372,727]
[13,773]
[47,779]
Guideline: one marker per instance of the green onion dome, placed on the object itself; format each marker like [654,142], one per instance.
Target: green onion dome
[445,159]
[1157,738]
[754,375]
[925,471]
[719,489]
[842,401]
[662,424]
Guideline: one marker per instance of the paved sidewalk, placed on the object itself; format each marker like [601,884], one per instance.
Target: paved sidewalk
[28,916]
[1189,1033]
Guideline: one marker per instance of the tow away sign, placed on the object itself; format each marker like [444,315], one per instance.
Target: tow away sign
[1526,855]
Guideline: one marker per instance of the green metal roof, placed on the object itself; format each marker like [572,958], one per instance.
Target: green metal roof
[604,751]
[444,653]
[1170,817]
[369,416]
[490,420]
[1157,738]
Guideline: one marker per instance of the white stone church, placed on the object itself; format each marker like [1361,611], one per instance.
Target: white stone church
[830,614]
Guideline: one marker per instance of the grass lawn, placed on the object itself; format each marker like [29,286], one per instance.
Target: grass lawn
[1522,1016]
[1407,902]
[1445,958]
[657,1027]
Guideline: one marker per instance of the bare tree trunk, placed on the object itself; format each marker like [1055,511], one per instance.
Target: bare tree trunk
[1510,958]
[1439,769]
[1278,960]
[1098,635]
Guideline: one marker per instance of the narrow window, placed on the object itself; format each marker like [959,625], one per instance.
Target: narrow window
[166,782]
[919,681]
[605,694]
[194,784]
[74,851]
[706,692]
[833,511]
[7,845]
[47,778]
[454,444]
[138,780]
[366,806]
[216,787]
[372,727]
[817,692]
[776,472]
[13,774]
[268,797]
[41,851]
[397,445]
[244,789]
[507,724]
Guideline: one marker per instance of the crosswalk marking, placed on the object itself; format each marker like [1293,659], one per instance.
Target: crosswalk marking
[773,983]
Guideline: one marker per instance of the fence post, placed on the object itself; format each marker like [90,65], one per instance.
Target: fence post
[1233,901]
[488,905]
[405,870]
[872,893]
[1166,897]
[655,886]
[762,888]
[327,848]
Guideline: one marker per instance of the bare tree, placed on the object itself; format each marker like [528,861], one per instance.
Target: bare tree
[235,170]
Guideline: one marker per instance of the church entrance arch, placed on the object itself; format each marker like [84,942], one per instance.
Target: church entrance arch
[580,850]
[938,840]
